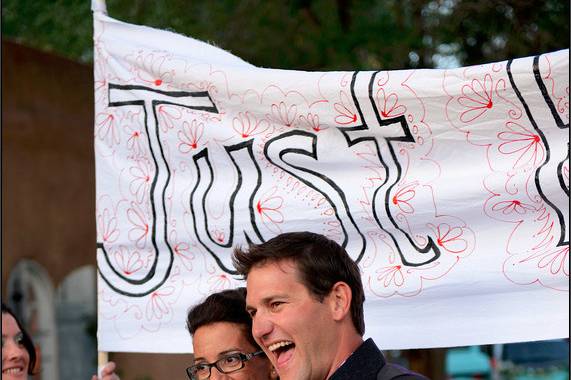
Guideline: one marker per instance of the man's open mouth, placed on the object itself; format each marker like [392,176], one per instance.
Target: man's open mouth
[282,350]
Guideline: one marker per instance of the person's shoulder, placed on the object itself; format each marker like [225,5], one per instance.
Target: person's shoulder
[393,371]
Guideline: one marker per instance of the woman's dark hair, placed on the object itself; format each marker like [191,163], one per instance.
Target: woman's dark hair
[224,306]
[26,339]
[320,261]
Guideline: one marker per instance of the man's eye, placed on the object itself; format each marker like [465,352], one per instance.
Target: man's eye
[276,304]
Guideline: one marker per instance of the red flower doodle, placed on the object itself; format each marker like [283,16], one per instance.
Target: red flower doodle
[157,306]
[107,129]
[140,230]
[450,238]
[134,142]
[283,114]
[565,173]
[345,111]
[519,141]
[246,124]
[389,104]
[151,71]
[219,282]
[190,136]
[141,179]
[391,274]
[107,226]
[182,250]
[269,209]
[219,235]
[128,262]
[556,261]
[477,97]
[311,121]
[403,196]
[167,115]
[508,207]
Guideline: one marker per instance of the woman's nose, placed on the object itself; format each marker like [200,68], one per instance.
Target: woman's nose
[12,350]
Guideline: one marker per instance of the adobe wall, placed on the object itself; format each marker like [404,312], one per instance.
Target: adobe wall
[48,174]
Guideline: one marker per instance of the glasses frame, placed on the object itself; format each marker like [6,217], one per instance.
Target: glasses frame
[243,359]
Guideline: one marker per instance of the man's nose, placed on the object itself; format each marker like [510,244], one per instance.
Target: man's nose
[262,326]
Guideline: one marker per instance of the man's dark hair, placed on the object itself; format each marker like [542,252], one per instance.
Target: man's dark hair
[26,339]
[321,263]
[224,306]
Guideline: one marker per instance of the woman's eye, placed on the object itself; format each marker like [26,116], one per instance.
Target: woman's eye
[19,339]
[201,367]
[232,359]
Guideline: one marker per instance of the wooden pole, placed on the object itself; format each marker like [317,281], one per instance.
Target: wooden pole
[102,359]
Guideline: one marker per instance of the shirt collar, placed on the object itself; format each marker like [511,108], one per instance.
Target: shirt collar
[364,363]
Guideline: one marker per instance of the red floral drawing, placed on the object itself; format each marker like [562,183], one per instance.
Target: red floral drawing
[142,176]
[477,98]
[106,128]
[525,146]
[450,238]
[107,226]
[511,206]
[219,282]
[246,124]
[565,173]
[268,207]
[388,104]
[135,140]
[128,262]
[140,226]
[158,306]
[182,251]
[555,261]
[346,113]
[167,116]
[151,70]
[284,114]
[190,136]
[311,122]
[219,235]
[391,275]
[403,197]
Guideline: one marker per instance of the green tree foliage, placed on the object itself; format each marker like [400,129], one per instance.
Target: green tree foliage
[315,34]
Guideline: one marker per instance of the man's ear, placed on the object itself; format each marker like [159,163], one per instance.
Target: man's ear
[340,300]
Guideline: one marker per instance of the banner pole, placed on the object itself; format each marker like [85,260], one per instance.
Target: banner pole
[102,359]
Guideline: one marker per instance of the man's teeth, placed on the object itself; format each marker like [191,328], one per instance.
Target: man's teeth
[277,345]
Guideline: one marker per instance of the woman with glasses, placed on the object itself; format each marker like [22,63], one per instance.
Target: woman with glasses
[224,347]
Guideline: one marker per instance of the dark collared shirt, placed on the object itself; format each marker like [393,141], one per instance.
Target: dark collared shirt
[366,364]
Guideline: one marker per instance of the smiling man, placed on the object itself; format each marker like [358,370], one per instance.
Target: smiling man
[305,298]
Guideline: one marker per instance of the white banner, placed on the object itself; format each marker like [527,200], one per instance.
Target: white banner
[450,188]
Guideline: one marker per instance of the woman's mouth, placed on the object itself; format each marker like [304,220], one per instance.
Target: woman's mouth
[13,371]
